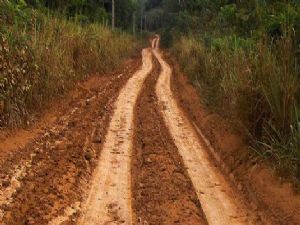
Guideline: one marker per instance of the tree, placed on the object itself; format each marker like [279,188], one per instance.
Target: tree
[113,14]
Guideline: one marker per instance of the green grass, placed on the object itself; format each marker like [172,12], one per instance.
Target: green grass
[257,84]
[42,56]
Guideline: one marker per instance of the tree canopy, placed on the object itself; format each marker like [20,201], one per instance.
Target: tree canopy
[92,10]
[226,16]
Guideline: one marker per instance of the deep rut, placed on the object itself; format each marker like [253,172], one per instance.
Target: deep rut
[162,190]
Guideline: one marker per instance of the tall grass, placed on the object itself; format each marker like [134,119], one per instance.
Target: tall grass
[42,56]
[256,84]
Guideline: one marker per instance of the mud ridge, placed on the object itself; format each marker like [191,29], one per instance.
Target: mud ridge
[162,190]
[109,197]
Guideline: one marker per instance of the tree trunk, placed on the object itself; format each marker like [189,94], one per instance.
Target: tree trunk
[133,23]
[142,12]
[113,15]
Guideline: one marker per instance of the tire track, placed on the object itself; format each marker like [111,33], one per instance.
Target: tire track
[109,199]
[162,190]
[217,198]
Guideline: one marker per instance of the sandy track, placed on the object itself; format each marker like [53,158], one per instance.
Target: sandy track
[109,200]
[162,191]
[216,197]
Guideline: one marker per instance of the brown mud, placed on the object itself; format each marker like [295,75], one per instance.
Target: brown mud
[175,145]
[163,192]
[42,180]
[109,196]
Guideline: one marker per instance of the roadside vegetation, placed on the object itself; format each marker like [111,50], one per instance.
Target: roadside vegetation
[244,58]
[45,49]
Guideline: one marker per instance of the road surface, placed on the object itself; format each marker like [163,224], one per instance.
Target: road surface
[121,151]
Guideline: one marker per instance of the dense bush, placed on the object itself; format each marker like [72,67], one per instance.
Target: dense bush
[258,86]
[42,56]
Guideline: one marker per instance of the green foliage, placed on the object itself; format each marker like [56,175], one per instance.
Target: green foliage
[254,84]
[43,56]
[228,13]
[88,11]
[244,58]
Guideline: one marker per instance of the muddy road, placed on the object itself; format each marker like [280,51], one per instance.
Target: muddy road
[120,150]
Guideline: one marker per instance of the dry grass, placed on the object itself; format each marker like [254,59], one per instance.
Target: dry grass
[258,86]
[42,57]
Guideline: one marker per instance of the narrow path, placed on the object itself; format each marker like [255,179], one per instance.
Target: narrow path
[217,198]
[109,200]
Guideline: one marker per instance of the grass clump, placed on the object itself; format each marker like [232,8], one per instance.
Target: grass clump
[42,56]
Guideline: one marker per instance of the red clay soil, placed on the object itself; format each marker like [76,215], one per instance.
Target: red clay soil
[58,163]
[12,139]
[162,191]
[273,199]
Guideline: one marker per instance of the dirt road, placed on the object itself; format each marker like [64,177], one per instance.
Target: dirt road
[120,151]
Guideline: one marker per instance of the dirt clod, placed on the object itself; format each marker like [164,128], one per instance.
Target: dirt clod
[5,183]
[88,156]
